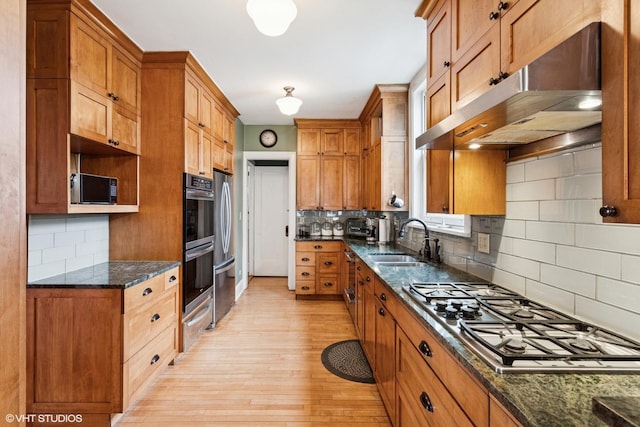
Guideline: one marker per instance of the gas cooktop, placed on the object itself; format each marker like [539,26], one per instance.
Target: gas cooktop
[515,334]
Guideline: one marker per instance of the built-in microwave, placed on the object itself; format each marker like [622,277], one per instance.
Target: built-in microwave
[96,189]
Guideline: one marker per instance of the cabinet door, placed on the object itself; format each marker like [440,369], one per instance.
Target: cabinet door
[308,182]
[125,130]
[191,148]
[369,327]
[229,135]
[204,152]
[474,172]
[471,74]
[439,169]
[375,187]
[351,183]
[469,21]
[439,41]
[385,366]
[125,81]
[532,27]
[352,142]
[206,111]
[191,98]
[332,142]
[621,95]
[90,114]
[438,100]
[309,141]
[331,182]
[90,57]
[328,284]
[218,154]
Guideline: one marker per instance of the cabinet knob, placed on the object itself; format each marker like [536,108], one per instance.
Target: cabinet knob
[113,96]
[172,278]
[328,263]
[328,284]
[426,402]
[305,273]
[607,210]
[155,317]
[446,64]
[305,259]
[493,81]
[425,349]
[317,247]
[146,292]
[381,312]
[200,124]
[154,359]
[305,288]
[368,279]
[503,75]
[503,5]
[445,208]
[493,16]
[383,297]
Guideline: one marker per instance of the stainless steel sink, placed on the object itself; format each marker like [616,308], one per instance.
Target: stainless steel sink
[395,260]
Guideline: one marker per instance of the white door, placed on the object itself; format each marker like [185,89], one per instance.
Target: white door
[271,195]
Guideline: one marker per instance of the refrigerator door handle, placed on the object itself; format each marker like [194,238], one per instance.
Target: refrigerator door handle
[225,209]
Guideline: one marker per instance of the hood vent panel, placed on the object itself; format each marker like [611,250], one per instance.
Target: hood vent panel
[558,93]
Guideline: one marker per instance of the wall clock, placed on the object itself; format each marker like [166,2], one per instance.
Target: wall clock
[268,138]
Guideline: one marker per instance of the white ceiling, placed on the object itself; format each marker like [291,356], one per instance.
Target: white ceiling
[334,52]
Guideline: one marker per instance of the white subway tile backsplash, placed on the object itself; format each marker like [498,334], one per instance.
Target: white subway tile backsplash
[532,190]
[572,281]
[87,222]
[551,296]
[620,294]
[579,187]
[588,161]
[41,271]
[39,241]
[58,253]
[607,237]
[515,173]
[514,228]
[79,262]
[573,211]
[537,251]
[68,238]
[34,258]
[45,224]
[509,280]
[523,210]
[588,260]
[552,167]
[481,270]
[614,318]
[553,232]
[630,269]
[520,266]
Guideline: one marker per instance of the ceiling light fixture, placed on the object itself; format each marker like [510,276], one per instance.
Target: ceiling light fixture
[272,17]
[288,104]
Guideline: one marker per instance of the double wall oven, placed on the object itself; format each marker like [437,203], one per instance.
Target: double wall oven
[198,256]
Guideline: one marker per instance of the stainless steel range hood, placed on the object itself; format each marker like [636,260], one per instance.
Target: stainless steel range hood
[554,101]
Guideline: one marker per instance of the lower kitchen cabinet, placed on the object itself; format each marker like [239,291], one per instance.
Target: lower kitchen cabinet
[92,351]
[366,309]
[318,267]
[499,416]
[385,346]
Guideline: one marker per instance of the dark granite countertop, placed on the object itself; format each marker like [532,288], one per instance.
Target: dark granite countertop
[108,275]
[618,411]
[536,399]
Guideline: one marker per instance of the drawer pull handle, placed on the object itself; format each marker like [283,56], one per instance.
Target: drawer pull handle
[328,263]
[381,312]
[425,349]
[317,247]
[383,297]
[155,317]
[328,284]
[426,402]
[305,259]
[306,273]
[146,292]
[368,279]
[154,359]
[305,288]
[172,278]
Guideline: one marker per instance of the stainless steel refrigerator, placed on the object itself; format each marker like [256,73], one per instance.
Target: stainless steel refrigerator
[224,284]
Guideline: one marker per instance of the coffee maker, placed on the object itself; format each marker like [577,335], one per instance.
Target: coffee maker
[372,230]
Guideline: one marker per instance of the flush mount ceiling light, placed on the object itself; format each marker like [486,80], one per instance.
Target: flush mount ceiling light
[272,17]
[288,104]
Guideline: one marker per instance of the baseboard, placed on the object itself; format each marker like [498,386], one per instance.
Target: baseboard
[241,286]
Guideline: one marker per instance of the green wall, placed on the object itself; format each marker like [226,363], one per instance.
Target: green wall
[287,138]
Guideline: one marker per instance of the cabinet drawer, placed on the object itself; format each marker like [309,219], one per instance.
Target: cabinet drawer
[471,395]
[319,246]
[146,364]
[385,296]
[425,395]
[305,287]
[328,262]
[327,284]
[305,273]
[143,324]
[143,293]
[171,278]
[306,258]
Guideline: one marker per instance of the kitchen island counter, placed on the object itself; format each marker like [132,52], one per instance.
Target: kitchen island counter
[107,275]
[535,399]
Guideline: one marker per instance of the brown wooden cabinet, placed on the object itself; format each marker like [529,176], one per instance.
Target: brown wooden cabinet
[384,159]
[621,104]
[83,105]
[385,345]
[328,164]
[499,416]
[366,309]
[319,268]
[121,341]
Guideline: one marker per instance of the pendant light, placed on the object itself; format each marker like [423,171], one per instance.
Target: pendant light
[272,17]
[288,104]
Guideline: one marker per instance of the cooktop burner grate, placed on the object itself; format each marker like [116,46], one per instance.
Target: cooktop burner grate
[515,334]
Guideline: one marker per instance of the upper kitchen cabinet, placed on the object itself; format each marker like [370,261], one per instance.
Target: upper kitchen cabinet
[328,164]
[384,157]
[83,105]
[621,107]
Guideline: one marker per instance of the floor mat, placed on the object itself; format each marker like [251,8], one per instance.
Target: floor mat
[347,360]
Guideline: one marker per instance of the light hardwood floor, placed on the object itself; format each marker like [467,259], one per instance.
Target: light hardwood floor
[261,367]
